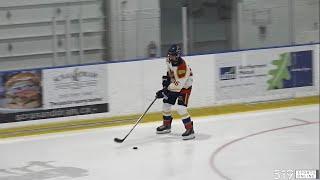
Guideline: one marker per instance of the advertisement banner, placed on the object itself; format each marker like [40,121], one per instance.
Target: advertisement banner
[52,93]
[292,70]
[20,91]
[262,73]
[75,86]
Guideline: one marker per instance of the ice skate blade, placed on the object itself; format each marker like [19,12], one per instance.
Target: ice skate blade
[164,131]
[191,136]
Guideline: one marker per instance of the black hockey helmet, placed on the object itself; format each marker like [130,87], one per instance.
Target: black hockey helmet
[174,54]
[174,50]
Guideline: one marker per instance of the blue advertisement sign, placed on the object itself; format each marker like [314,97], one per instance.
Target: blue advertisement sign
[300,70]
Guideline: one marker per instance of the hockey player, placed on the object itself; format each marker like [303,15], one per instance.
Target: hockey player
[177,85]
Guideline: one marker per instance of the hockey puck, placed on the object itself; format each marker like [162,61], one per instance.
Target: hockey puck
[135,147]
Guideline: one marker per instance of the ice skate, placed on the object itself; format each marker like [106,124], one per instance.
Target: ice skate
[188,134]
[163,129]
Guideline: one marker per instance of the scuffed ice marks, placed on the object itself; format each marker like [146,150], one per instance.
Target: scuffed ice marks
[38,170]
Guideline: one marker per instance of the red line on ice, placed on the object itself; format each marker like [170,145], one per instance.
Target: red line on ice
[214,154]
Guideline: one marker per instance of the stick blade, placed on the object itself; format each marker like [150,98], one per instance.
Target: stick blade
[118,140]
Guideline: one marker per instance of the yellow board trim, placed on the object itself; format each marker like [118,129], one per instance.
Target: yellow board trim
[57,127]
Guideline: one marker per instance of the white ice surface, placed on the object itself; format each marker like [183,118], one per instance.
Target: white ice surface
[244,146]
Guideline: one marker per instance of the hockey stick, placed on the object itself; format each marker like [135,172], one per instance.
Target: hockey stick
[118,140]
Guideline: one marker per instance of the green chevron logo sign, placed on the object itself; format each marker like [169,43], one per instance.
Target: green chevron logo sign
[293,69]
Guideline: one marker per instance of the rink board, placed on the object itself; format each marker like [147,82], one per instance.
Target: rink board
[30,130]
[223,83]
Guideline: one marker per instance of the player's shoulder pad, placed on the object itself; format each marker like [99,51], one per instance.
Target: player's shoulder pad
[182,69]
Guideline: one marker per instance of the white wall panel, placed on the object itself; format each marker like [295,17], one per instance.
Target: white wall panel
[43,14]
[46,29]
[13,3]
[125,85]
[129,22]
[273,15]
[45,45]
[26,29]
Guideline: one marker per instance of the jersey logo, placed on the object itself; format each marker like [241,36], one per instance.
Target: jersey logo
[182,70]
[176,83]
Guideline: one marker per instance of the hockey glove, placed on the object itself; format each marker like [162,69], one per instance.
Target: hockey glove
[162,93]
[165,81]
